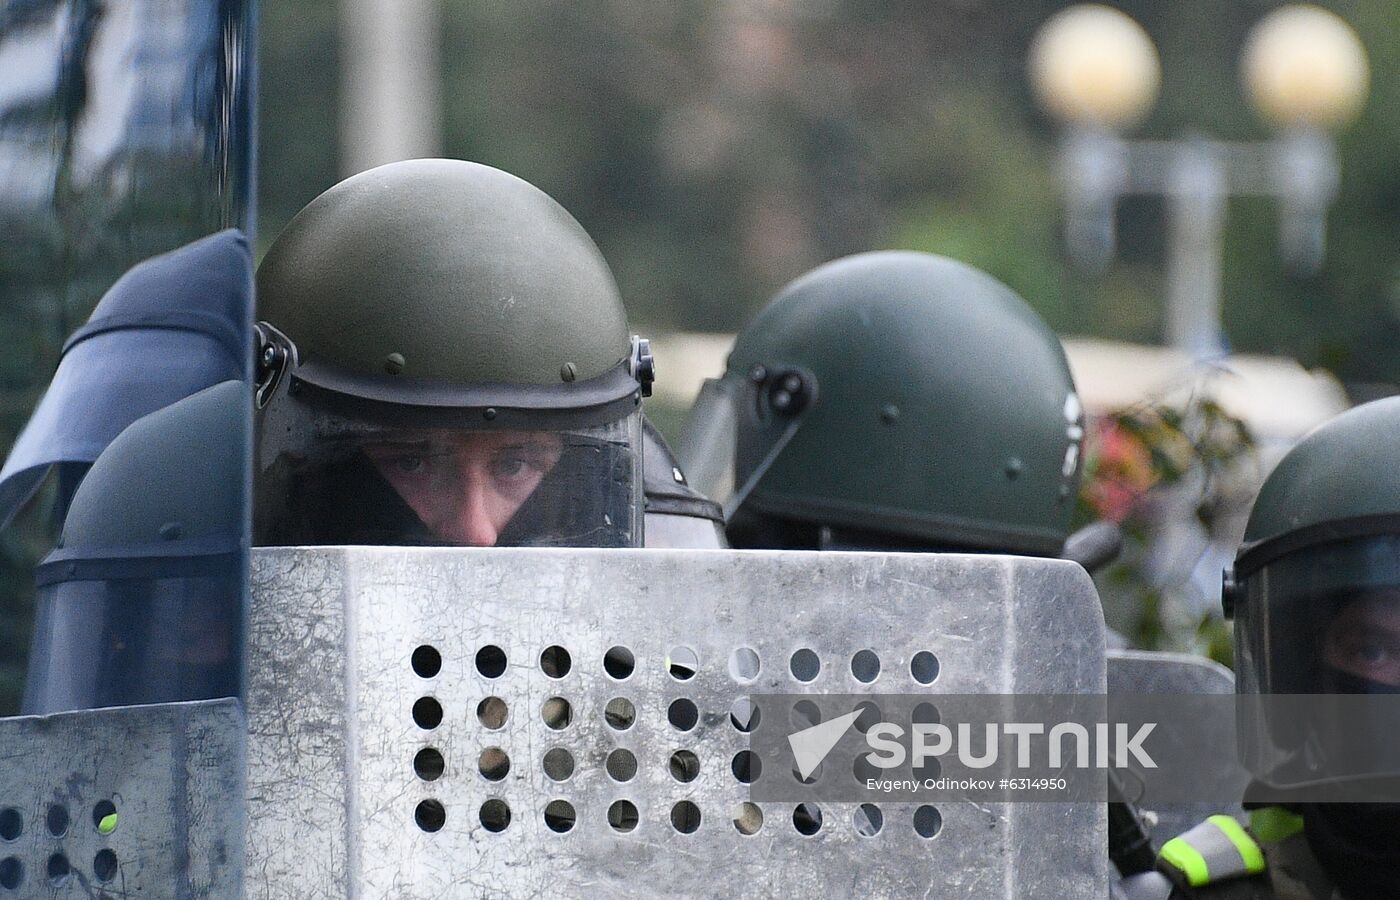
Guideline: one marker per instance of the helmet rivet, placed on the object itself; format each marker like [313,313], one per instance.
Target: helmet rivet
[568,371]
[171,531]
[758,374]
[269,355]
[394,363]
[890,414]
[781,400]
[792,384]
[1013,468]
[489,413]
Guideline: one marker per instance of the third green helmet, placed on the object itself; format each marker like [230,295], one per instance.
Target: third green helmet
[901,396]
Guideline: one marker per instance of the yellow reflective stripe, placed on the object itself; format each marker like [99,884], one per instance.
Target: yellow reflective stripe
[1187,860]
[1249,851]
[1272,824]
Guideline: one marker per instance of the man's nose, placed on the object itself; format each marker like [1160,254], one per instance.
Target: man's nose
[472,520]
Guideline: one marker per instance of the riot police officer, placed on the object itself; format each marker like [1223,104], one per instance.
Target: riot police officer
[1315,594]
[143,601]
[445,360]
[896,401]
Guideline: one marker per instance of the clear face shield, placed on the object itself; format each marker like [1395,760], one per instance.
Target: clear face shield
[137,629]
[738,427]
[1318,663]
[336,477]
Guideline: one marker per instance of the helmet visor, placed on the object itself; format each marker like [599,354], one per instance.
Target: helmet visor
[129,641]
[328,478]
[1318,651]
[737,429]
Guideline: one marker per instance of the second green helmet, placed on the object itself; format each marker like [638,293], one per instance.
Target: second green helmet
[896,394]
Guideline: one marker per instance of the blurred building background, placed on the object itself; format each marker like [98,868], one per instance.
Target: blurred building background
[717,148]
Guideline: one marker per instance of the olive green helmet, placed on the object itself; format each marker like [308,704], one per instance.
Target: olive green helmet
[899,395]
[431,317]
[1315,589]
[143,600]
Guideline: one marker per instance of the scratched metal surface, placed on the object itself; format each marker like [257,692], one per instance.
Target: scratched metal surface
[172,774]
[334,793]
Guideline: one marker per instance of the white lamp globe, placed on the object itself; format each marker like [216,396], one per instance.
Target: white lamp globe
[1305,67]
[1094,65]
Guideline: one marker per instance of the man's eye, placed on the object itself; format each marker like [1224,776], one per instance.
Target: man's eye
[408,465]
[511,467]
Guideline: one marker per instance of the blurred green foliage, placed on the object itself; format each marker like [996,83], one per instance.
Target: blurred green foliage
[1146,469]
[718,149]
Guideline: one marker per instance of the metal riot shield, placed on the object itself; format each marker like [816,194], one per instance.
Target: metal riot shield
[1152,672]
[503,722]
[141,801]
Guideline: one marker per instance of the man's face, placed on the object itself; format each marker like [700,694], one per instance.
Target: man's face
[1363,639]
[465,486]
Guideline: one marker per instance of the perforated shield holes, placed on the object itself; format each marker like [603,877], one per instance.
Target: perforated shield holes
[868,820]
[559,816]
[427,713]
[685,817]
[812,778]
[491,661]
[558,764]
[620,714]
[748,818]
[491,713]
[104,816]
[744,664]
[430,815]
[56,820]
[865,666]
[427,661]
[555,661]
[428,764]
[869,715]
[924,714]
[805,714]
[11,873]
[104,864]
[621,765]
[746,766]
[684,766]
[682,714]
[557,713]
[805,665]
[744,715]
[924,667]
[495,815]
[494,764]
[929,769]
[807,818]
[864,770]
[928,821]
[682,663]
[619,663]
[622,816]
[11,824]
[587,809]
[59,869]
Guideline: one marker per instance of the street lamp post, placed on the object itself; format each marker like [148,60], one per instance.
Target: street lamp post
[1096,70]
